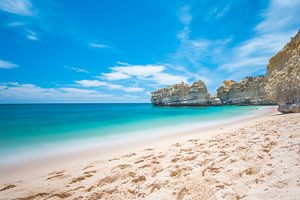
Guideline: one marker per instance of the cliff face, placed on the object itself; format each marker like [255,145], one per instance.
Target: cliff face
[283,77]
[184,94]
[250,91]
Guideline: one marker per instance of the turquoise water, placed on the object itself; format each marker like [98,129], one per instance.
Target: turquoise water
[26,126]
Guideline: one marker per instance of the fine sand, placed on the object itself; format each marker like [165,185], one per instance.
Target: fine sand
[255,158]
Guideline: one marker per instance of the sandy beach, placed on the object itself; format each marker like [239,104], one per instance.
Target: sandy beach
[256,158]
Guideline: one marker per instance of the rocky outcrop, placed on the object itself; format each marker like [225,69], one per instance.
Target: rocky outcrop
[283,77]
[249,91]
[184,95]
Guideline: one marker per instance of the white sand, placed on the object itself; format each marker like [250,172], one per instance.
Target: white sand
[257,158]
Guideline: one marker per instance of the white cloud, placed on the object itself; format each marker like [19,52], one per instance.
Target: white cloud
[96,83]
[190,56]
[115,76]
[31,35]
[224,10]
[19,7]
[91,83]
[145,73]
[76,69]
[122,63]
[281,15]
[16,92]
[167,79]
[215,60]
[139,70]
[238,63]
[263,44]
[78,91]
[15,24]
[97,45]
[7,65]
[133,89]
[219,12]
[280,22]
[184,15]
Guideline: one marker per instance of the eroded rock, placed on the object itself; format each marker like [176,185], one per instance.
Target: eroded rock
[283,77]
[184,94]
[249,91]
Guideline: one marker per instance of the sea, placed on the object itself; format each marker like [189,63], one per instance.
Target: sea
[32,127]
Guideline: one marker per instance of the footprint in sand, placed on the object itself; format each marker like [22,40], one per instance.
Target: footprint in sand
[249,171]
[90,173]
[145,166]
[35,196]
[87,167]
[56,175]
[156,170]
[154,186]
[77,179]
[190,158]
[138,178]
[123,166]
[105,181]
[7,187]
[62,195]
[129,155]
[149,149]
[87,174]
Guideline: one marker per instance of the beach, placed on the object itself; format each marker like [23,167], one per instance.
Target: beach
[256,158]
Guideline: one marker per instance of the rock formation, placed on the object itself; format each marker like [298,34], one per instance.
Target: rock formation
[283,77]
[249,91]
[183,94]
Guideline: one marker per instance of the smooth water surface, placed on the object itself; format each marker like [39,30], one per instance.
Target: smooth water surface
[25,126]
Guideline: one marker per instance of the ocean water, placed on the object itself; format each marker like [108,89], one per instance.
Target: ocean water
[28,126]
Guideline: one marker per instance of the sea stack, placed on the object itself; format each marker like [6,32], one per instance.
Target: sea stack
[184,95]
[283,77]
[249,91]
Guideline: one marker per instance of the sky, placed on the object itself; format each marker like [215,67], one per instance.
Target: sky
[116,51]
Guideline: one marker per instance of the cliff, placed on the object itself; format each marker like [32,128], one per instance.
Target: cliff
[249,91]
[184,94]
[283,77]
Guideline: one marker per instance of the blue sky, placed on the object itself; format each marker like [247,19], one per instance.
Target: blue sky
[120,51]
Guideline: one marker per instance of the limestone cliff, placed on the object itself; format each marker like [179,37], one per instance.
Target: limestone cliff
[184,94]
[249,91]
[283,77]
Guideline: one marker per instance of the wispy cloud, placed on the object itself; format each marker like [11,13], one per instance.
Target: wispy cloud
[215,60]
[76,69]
[280,16]
[113,76]
[91,83]
[122,63]
[96,83]
[23,8]
[19,7]
[7,65]
[219,12]
[16,92]
[185,15]
[139,70]
[31,35]
[16,24]
[148,73]
[97,45]
[191,54]
[280,22]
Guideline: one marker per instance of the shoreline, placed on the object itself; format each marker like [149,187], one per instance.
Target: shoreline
[254,158]
[93,137]
[127,143]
